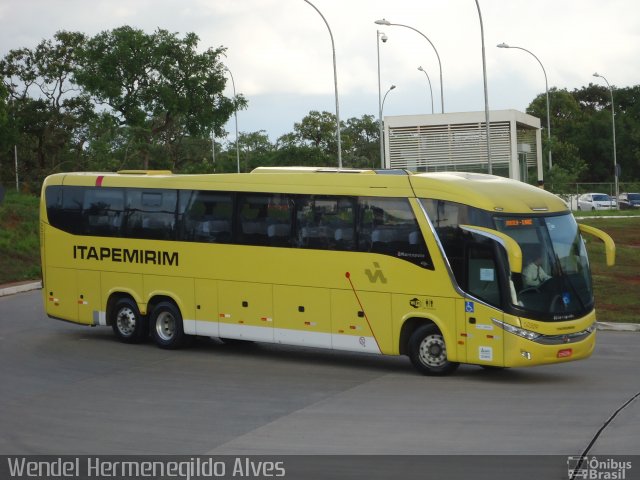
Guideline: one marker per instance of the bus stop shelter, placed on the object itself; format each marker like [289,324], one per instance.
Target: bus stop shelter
[457,142]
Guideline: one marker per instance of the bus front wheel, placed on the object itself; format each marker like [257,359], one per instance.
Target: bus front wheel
[166,326]
[428,351]
[127,322]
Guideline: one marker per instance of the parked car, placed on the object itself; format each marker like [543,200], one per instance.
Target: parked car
[629,200]
[596,201]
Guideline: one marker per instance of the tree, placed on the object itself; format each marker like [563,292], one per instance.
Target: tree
[158,86]
[47,109]
[319,130]
[362,142]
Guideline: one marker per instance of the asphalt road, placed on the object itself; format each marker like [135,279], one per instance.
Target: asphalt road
[68,389]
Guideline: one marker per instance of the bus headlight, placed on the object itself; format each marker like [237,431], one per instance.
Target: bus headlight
[521,332]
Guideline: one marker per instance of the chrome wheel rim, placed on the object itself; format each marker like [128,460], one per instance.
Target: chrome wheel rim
[165,326]
[433,351]
[126,321]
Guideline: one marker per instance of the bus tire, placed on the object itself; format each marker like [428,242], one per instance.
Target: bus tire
[166,326]
[127,322]
[428,352]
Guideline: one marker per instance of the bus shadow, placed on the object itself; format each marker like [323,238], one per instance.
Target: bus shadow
[305,356]
[309,357]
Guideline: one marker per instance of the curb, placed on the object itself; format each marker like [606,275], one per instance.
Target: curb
[20,288]
[26,287]
[619,327]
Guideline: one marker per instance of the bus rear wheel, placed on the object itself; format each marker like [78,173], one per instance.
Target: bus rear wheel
[166,326]
[127,322]
[428,351]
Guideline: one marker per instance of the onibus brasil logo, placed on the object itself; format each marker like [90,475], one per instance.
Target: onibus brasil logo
[590,467]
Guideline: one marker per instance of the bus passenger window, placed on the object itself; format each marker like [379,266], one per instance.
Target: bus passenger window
[388,226]
[64,208]
[279,211]
[208,216]
[103,211]
[325,222]
[265,219]
[151,214]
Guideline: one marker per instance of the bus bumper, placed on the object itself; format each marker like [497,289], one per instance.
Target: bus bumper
[520,352]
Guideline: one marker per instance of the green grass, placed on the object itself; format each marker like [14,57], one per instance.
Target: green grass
[617,289]
[607,213]
[19,242]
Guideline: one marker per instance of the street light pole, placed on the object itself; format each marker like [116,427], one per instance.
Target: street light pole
[385,95]
[486,94]
[430,89]
[380,36]
[546,89]
[381,110]
[613,125]
[335,83]
[235,114]
[388,23]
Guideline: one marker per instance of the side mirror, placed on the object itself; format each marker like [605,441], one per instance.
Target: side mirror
[609,245]
[514,252]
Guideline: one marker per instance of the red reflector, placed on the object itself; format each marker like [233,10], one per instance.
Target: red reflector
[567,352]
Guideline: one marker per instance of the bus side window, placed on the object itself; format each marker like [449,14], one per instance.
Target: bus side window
[64,208]
[151,214]
[325,222]
[103,211]
[265,219]
[279,212]
[388,226]
[208,216]
[482,273]
[252,216]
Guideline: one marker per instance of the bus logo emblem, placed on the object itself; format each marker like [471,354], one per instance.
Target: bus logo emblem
[376,275]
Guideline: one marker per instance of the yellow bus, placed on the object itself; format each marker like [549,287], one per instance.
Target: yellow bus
[446,268]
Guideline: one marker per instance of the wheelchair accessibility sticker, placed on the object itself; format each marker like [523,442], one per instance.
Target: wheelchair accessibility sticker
[469,307]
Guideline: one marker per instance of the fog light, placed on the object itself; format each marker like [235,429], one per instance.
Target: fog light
[526,355]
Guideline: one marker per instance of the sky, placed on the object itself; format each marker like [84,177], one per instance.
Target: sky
[279,51]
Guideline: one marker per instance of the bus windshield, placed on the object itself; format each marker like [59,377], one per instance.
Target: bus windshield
[555,283]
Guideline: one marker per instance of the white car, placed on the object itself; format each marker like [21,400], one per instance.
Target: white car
[596,201]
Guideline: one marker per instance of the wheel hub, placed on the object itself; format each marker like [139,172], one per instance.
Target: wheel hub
[165,326]
[433,352]
[126,322]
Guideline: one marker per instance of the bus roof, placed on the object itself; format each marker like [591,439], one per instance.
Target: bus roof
[488,192]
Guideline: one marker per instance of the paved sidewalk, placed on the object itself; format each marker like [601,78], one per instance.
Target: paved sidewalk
[19,287]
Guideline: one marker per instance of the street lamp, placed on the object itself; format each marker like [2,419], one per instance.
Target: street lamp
[235,114]
[385,95]
[335,84]
[613,125]
[381,110]
[380,36]
[486,94]
[388,23]
[430,89]
[546,88]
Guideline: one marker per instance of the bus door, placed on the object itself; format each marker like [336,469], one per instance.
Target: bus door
[484,340]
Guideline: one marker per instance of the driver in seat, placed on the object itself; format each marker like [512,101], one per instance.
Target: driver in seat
[533,274]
